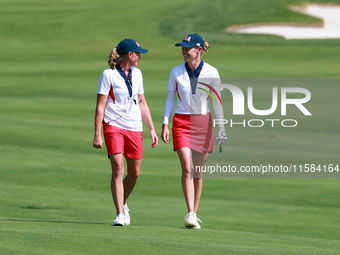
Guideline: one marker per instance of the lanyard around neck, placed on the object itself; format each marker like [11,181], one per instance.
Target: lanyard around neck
[128,80]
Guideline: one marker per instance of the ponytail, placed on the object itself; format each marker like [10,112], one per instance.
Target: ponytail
[114,58]
[206,46]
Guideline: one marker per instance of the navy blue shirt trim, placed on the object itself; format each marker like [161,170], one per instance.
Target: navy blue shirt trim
[193,75]
[128,80]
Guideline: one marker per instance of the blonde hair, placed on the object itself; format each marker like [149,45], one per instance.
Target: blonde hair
[114,58]
[206,46]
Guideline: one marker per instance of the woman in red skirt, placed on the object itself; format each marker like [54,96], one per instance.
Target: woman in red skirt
[192,83]
[121,108]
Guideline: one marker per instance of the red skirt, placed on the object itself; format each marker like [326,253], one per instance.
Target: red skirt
[193,131]
[119,140]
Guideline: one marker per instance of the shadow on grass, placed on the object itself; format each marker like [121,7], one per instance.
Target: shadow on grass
[55,221]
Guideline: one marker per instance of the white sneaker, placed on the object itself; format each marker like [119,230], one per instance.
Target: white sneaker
[119,221]
[126,215]
[191,221]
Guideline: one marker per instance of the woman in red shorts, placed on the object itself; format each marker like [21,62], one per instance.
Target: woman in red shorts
[192,83]
[121,107]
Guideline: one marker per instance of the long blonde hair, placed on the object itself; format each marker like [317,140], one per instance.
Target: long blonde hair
[114,58]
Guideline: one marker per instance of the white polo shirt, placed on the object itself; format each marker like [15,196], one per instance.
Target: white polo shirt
[121,110]
[179,83]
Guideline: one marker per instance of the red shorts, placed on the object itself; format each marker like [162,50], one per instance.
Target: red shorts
[118,140]
[193,131]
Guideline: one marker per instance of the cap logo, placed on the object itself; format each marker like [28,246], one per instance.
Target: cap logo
[198,44]
[137,44]
[187,38]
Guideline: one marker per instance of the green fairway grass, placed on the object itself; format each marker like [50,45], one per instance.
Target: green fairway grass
[84,238]
[220,15]
[55,187]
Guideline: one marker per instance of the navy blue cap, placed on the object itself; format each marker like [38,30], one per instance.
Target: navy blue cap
[192,40]
[128,45]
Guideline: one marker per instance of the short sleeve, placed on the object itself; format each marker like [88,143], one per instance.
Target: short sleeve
[140,85]
[104,84]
